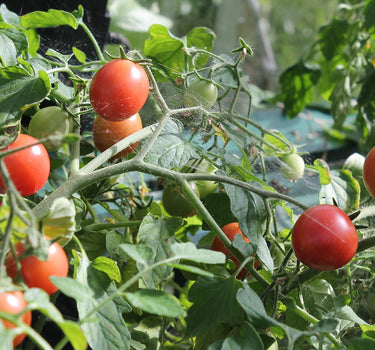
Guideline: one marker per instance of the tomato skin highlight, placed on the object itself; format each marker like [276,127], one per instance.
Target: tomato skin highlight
[29,168]
[369,172]
[14,303]
[231,230]
[106,133]
[324,238]
[119,89]
[36,272]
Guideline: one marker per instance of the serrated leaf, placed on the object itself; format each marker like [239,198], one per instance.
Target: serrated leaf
[210,307]
[50,18]
[17,90]
[156,302]
[104,328]
[323,169]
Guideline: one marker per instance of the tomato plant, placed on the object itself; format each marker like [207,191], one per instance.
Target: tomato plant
[293,166]
[154,277]
[50,121]
[14,303]
[35,272]
[231,230]
[324,238]
[200,93]
[106,133]
[176,203]
[368,172]
[119,89]
[28,168]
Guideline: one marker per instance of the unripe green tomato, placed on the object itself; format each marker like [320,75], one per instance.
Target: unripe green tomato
[176,203]
[355,163]
[200,93]
[293,166]
[205,187]
[50,121]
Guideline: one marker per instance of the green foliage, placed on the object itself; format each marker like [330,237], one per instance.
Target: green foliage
[127,255]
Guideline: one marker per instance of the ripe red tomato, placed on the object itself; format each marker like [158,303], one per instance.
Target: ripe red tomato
[231,230]
[35,272]
[14,303]
[119,89]
[106,133]
[29,168]
[176,203]
[369,172]
[324,238]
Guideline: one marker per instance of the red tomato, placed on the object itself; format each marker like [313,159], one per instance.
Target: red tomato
[119,89]
[35,272]
[14,303]
[29,168]
[106,133]
[369,172]
[231,230]
[324,238]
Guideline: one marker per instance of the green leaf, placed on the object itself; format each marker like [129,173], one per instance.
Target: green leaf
[284,147]
[214,301]
[296,84]
[341,98]
[333,38]
[218,205]
[361,344]
[141,253]
[369,13]
[108,266]
[168,50]
[242,337]
[104,328]
[38,299]
[200,38]
[251,214]
[156,302]
[79,54]
[18,90]
[170,149]
[323,169]
[9,16]
[188,251]
[72,287]
[158,233]
[343,189]
[12,43]
[192,269]
[50,18]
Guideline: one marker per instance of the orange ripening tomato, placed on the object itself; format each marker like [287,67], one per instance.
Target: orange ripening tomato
[106,133]
[15,303]
[231,230]
[35,272]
